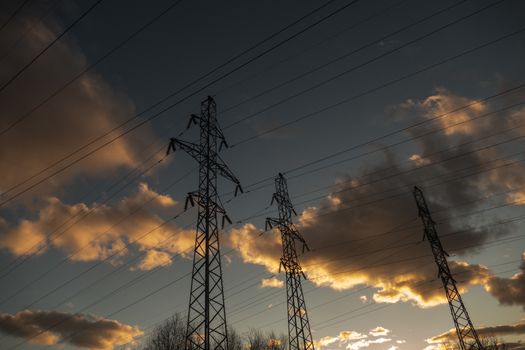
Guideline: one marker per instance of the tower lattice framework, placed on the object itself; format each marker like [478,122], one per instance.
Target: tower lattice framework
[299,333]
[467,335]
[207,328]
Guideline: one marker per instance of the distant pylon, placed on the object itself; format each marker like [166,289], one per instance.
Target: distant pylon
[467,335]
[207,327]
[299,334]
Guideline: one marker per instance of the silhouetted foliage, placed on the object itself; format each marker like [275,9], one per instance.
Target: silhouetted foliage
[170,335]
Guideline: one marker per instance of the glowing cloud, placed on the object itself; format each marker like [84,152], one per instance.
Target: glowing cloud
[364,233]
[102,231]
[80,113]
[272,283]
[85,331]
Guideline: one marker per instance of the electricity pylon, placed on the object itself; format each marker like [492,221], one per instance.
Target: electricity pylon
[467,335]
[206,327]
[299,334]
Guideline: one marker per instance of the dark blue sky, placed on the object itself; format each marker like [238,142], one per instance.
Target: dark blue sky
[384,91]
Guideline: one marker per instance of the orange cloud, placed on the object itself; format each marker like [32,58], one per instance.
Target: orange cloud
[272,283]
[378,331]
[80,113]
[341,339]
[104,230]
[359,237]
[483,332]
[82,330]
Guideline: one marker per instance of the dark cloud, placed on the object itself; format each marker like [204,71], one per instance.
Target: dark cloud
[484,333]
[80,113]
[359,239]
[80,330]
[509,291]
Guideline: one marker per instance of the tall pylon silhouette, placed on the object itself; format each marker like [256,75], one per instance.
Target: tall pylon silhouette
[466,333]
[299,334]
[207,328]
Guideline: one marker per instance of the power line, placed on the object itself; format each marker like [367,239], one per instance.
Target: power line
[13,14]
[353,292]
[19,39]
[113,293]
[339,58]
[98,263]
[328,212]
[518,237]
[387,305]
[382,86]
[419,167]
[91,66]
[385,147]
[108,258]
[152,117]
[57,38]
[425,156]
[310,47]
[381,137]
[55,233]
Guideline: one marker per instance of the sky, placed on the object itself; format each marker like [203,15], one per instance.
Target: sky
[354,106]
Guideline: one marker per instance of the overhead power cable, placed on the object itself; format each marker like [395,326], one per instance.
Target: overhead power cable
[152,117]
[428,156]
[311,46]
[381,86]
[91,66]
[340,58]
[48,46]
[28,29]
[59,231]
[425,121]
[108,258]
[13,14]
[404,172]
[367,267]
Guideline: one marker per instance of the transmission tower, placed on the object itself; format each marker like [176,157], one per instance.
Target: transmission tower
[206,313]
[467,335]
[299,334]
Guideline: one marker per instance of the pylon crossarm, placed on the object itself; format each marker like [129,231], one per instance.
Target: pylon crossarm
[225,172]
[189,147]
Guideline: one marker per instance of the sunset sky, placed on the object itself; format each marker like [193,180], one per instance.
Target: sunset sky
[355,102]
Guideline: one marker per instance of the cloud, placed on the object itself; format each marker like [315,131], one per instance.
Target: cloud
[366,231]
[343,338]
[104,230]
[272,283]
[483,332]
[379,331]
[365,343]
[83,111]
[268,252]
[509,291]
[82,330]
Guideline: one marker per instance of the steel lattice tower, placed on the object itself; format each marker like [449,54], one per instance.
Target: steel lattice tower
[299,334]
[206,313]
[467,335]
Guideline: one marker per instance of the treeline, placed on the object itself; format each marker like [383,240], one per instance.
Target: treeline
[170,335]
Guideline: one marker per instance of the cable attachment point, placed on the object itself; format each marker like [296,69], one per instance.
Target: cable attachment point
[268,224]
[238,189]
[193,120]
[171,146]
[223,144]
[274,199]
[189,199]
[225,218]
